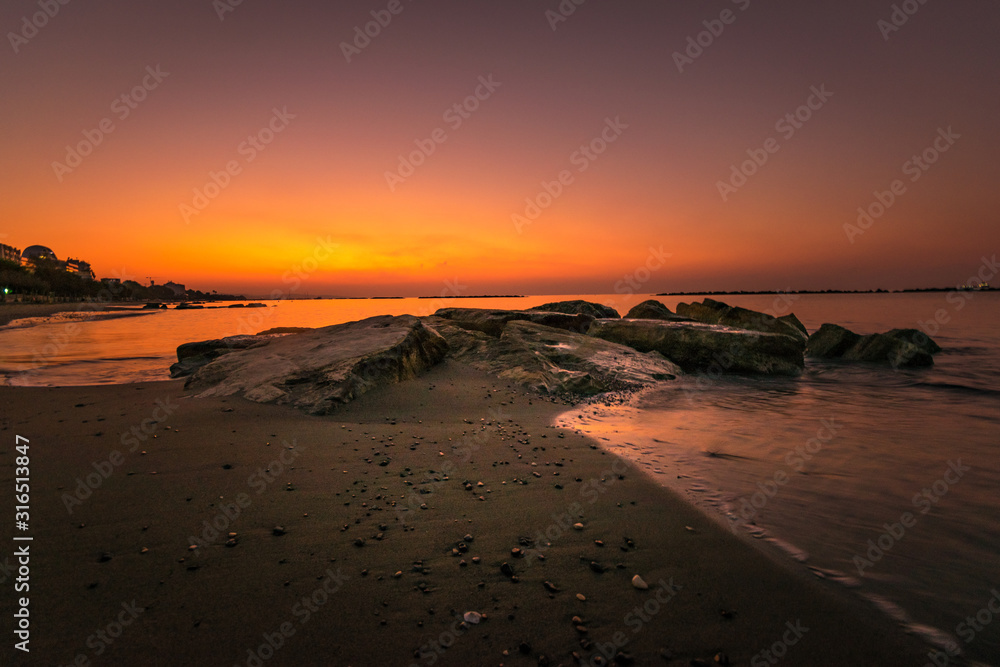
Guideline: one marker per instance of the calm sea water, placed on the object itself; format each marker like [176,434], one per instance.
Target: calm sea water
[886,481]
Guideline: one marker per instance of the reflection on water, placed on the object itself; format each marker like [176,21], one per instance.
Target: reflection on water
[886,481]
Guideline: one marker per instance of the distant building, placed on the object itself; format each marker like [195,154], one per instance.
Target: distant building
[34,253]
[10,253]
[178,290]
[80,268]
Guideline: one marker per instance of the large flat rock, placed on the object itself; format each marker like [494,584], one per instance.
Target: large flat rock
[192,356]
[320,369]
[492,321]
[710,311]
[900,348]
[706,348]
[555,361]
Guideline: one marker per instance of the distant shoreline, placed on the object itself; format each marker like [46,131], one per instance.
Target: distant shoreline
[833,291]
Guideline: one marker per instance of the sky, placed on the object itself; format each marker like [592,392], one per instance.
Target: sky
[525,146]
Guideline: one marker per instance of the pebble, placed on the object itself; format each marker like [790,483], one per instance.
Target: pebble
[581,597]
[472,617]
[597,567]
[577,526]
[278,531]
[549,586]
[637,582]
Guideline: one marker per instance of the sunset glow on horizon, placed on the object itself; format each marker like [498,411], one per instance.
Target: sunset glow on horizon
[497,147]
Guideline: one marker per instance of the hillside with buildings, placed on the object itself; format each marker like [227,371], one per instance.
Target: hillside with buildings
[37,274]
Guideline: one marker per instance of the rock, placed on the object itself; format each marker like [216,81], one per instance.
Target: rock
[554,361]
[318,370]
[637,582]
[710,311]
[654,310]
[283,330]
[472,617]
[791,320]
[278,531]
[831,342]
[579,307]
[900,348]
[192,356]
[916,337]
[697,347]
[492,321]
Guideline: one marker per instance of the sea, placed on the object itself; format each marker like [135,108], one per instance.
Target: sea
[882,481]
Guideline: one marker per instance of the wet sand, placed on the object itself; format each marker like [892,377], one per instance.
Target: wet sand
[15,311]
[374,505]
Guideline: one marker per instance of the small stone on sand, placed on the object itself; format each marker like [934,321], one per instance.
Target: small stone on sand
[637,582]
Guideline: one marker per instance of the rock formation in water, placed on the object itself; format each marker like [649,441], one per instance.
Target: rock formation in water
[711,311]
[555,361]
[707,348]
[900,348]
[492,321]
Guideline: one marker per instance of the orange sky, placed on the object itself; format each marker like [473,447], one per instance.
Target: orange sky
[313,207]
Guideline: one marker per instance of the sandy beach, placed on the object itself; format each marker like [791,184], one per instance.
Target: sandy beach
[364,537]
[15,311]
